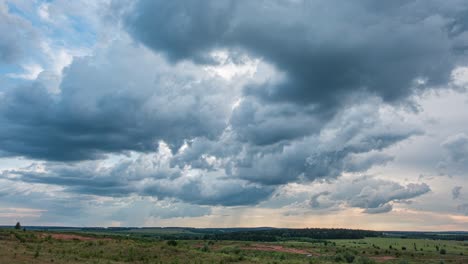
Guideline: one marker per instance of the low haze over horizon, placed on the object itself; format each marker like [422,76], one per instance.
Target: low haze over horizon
[223,113]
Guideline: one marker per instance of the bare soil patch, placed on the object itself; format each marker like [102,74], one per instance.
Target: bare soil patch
[74,237]
[277,248]
[383,258]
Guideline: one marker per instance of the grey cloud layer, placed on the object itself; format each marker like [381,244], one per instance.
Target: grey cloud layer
[146,175]
[229,172]
[370,194]
[328,49]
[456,155]
[350,142]
[52,206]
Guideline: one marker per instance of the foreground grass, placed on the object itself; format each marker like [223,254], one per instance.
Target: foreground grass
[42,247]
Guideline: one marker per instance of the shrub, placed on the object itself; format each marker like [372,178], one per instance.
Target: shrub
[339,258]
[349,257]
[20,237]
[172,243]
[443,251]
[205,248]
[230,250]
[364,260]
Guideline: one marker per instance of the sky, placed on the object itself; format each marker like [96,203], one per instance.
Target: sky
[223,113]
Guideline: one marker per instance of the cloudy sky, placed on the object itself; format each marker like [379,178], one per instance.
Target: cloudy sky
[220,113]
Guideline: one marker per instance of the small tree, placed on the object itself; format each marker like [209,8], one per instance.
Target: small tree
[18,226]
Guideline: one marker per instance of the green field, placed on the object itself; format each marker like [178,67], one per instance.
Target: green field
[18,246]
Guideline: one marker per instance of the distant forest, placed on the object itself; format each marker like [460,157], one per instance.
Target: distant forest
[307,234]
[266,234]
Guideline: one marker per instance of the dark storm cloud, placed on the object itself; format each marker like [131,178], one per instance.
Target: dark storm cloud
[350,142]
[327,49]
[264,124]
[112,102]
[126,98]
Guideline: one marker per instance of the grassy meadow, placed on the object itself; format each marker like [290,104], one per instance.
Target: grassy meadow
[18,246]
